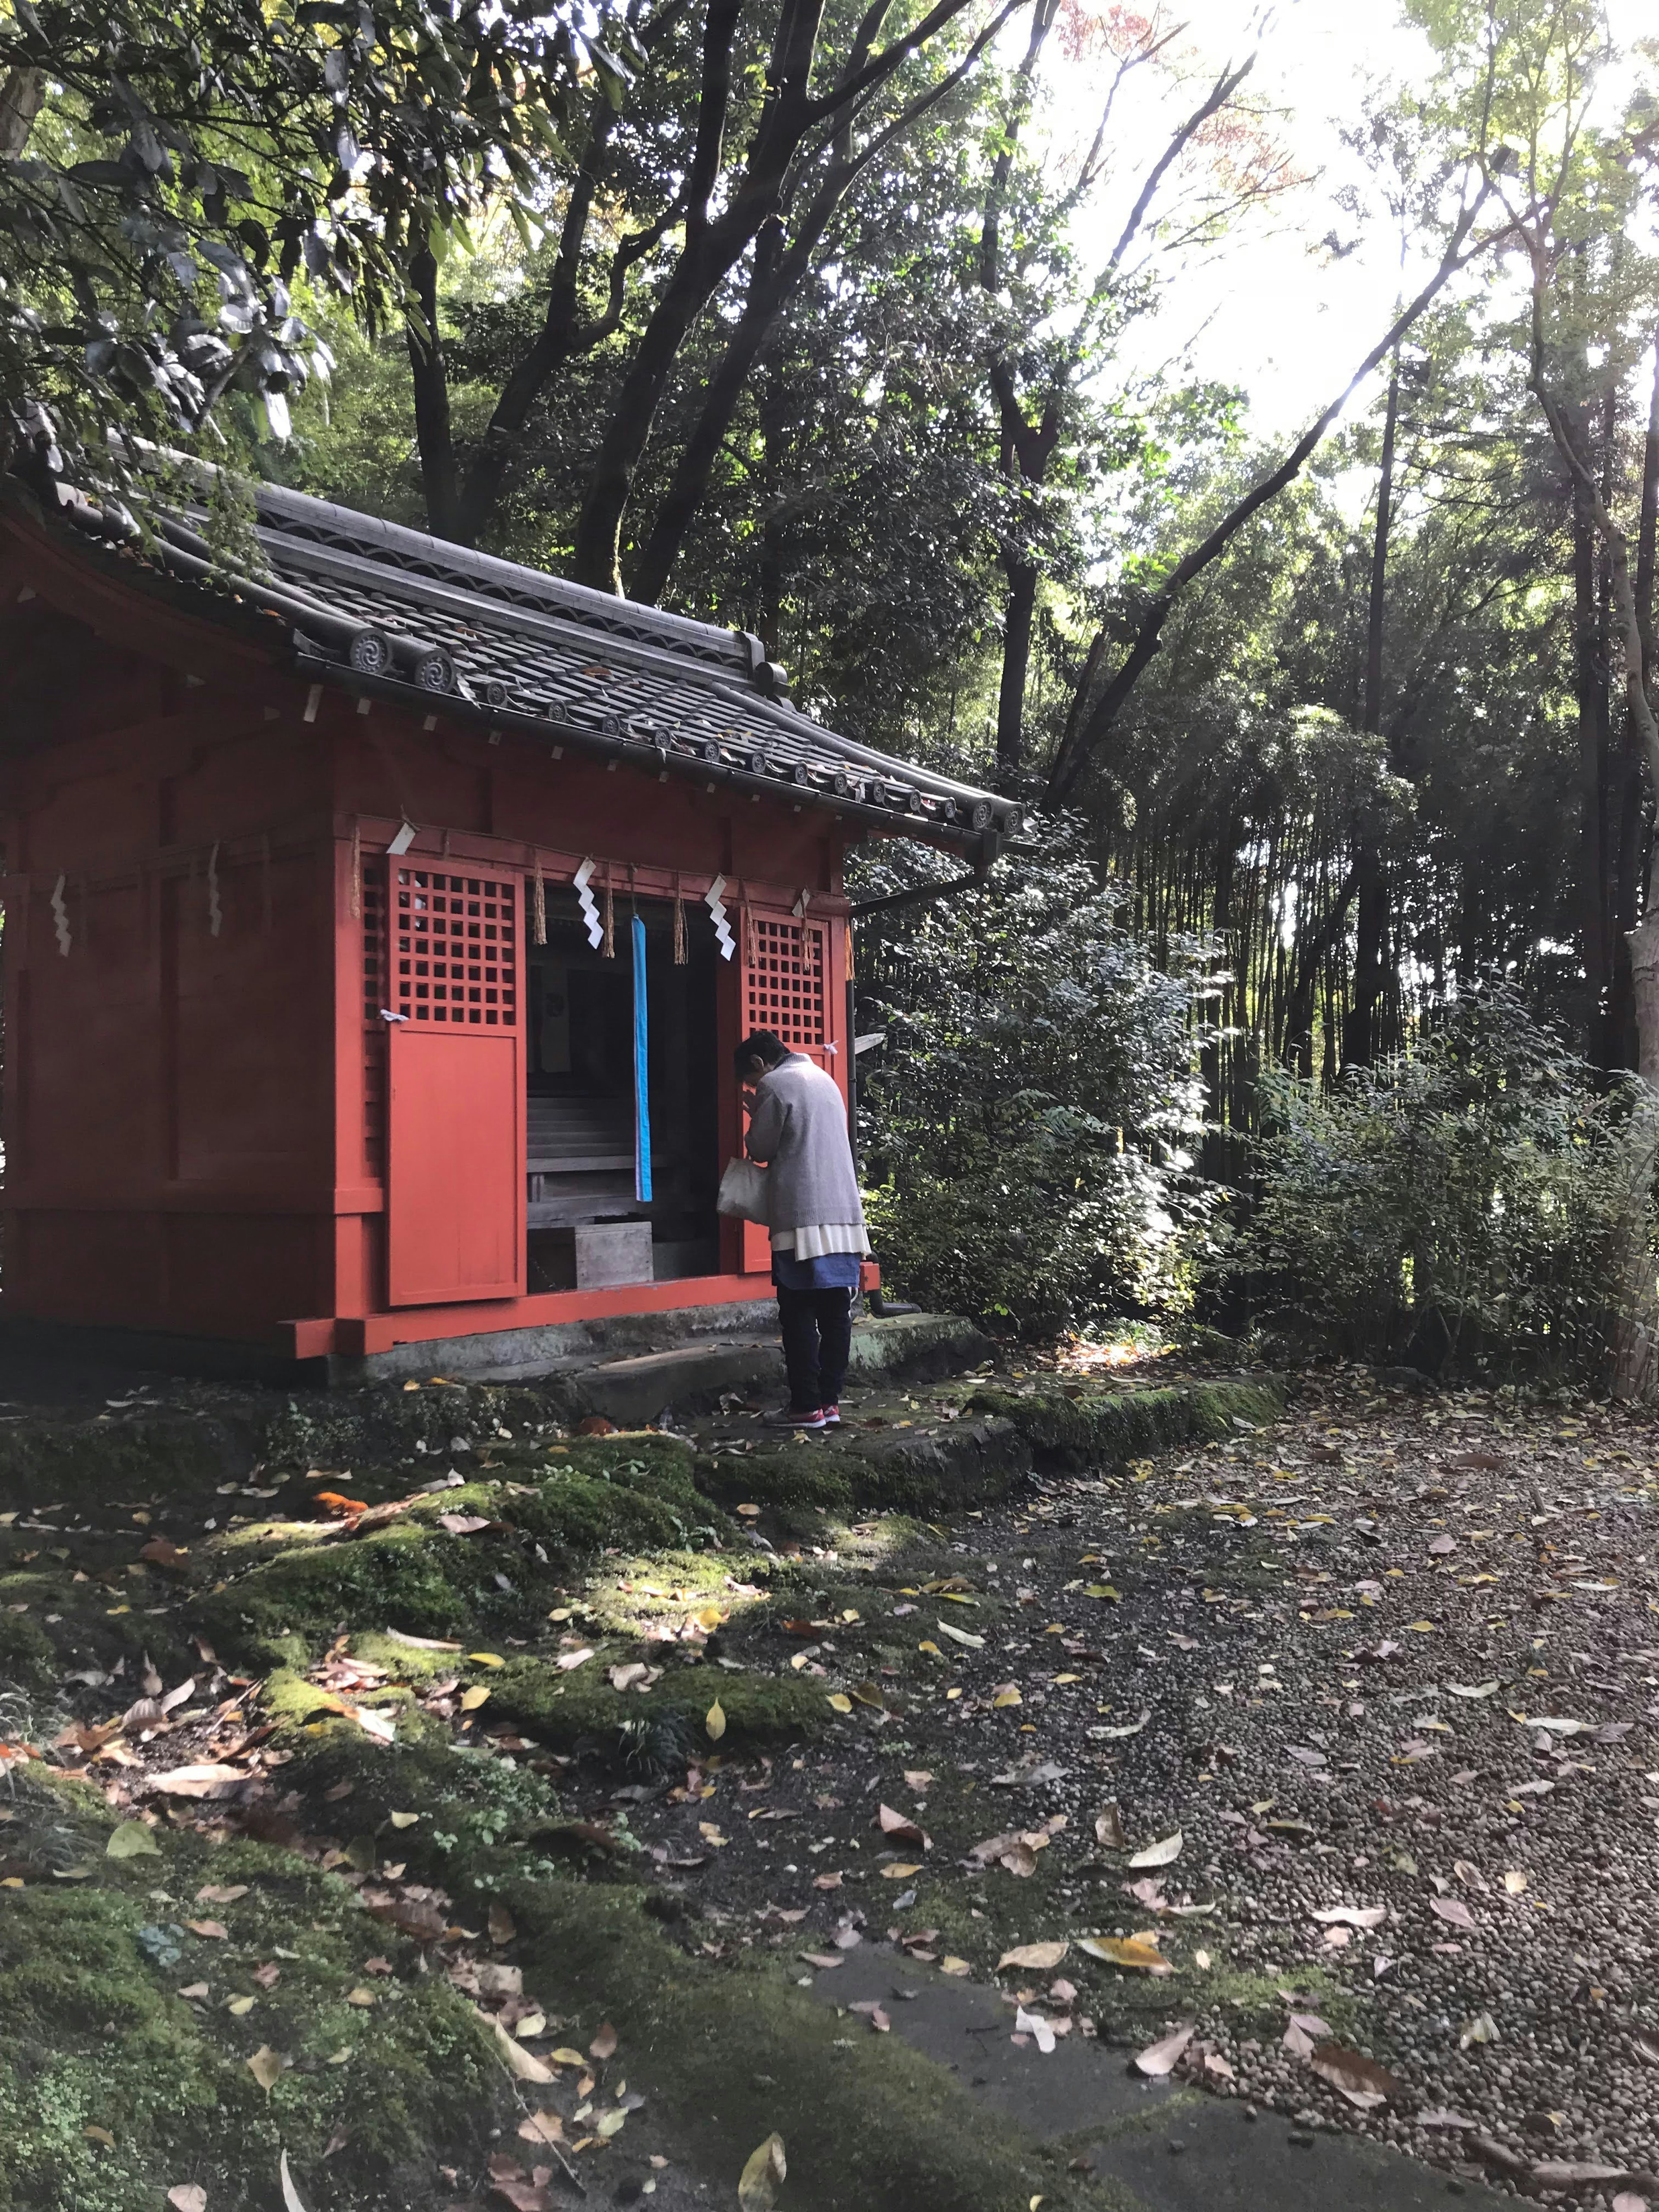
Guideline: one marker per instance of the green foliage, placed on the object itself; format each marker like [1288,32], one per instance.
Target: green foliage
[1456,1207]
[1027,1129]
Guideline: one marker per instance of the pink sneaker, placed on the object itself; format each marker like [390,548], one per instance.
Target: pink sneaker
[787,1417]
[830,1418]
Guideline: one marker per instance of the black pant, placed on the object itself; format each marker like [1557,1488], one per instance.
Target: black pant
[817,1338]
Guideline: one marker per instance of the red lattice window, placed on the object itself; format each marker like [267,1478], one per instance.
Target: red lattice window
[785,981]
[454,949]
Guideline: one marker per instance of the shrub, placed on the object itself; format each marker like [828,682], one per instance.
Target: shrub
[1026,1130]
[1460,1206]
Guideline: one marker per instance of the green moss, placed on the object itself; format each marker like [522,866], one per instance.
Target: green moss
[406,1576]
[28,1659]
[563,1709]
[94,2034]
[1107,1427]
[733,2051]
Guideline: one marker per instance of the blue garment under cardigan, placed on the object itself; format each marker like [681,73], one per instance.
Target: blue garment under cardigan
[831,1271]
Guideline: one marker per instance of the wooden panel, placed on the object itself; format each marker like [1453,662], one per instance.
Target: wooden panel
[455,1197]
[786,985]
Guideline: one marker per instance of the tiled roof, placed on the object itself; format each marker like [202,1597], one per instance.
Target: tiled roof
[378,607]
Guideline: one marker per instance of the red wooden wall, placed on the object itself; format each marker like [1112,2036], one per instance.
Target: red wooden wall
[199,1084]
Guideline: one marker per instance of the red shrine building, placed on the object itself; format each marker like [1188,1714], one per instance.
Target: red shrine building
[380,919]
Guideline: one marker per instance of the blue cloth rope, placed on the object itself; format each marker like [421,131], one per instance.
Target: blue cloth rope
[642,1071]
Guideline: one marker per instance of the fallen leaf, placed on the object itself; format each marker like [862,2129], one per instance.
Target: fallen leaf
[842,1705]
[916,1778]
[1216,2064]
[1039,1958]
[603,2044]
[1483,2028]
[1160,1854]
[1351,2075]
[757,2186]
[188,2197]
[568,1660]
[1139,1952]
[954,1966]
[1579,2173]
[1628,2201]
[1130,1727]
[899,1872]
[1453,1910]
[522,2064]
[405,1819]
[714,1721]
[221,1892]
[1109,1828]
[213,1930]
[239,2008]
[265,2067]
[1350,1916]
[1159,2058]
[903,1829]
[1034,2025]
[292,2201]
[131,1840]
[961,1636]
[541,2127]
[202,1781]
[471,1699]
[1514,1881]
[1474,1690]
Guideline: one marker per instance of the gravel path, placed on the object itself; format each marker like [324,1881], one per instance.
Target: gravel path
[1391,1669]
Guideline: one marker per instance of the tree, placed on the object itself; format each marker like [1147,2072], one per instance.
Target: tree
[167,181]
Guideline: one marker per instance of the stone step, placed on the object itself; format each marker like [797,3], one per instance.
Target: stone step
[694,1376]
[1160,2146]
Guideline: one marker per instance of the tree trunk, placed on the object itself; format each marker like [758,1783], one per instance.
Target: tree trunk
[1016,662]
[1359,1037]
[22,94]
[430,378]
[1590,684]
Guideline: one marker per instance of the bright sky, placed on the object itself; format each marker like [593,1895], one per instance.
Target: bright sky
[1290,325]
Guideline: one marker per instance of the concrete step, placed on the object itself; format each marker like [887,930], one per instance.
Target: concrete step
[693,1377]
[1159,2147]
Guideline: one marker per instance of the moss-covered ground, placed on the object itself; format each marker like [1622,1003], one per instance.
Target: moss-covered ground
[575,1714]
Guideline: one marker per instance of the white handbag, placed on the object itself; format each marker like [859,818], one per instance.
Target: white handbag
[742,1191]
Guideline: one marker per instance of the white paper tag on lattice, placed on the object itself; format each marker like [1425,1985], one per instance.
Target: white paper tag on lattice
[583,878]
[711,899]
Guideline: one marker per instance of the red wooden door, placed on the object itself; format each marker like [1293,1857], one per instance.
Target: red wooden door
[786,989]
[455,1167]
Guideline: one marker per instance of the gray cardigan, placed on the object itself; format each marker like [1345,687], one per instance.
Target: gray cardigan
[799,1130]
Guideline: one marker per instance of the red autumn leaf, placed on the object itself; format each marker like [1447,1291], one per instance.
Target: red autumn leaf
[332,1502]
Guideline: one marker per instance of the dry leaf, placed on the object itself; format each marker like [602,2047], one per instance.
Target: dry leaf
[961,1636]
[899,1871]
[1350,1916]
[292,2201]
[188,2197]
[202,1781]
[1483,2028]
[1038,1958]
[1579,2173]
[954,1966]
[1160,2057]
[714,1721]
[1130,1727]
[1351,2075]
[239,2008]
[265,2067]
[541,2127]
[1216,2064]
[1514,1881]
[215,1893]
[405,1819]
[471,1699]
[1453,1910]
[1034,2025]
[522,2064]
[1109,1828]
[757,2188]
[603,2044]
[502,1926]
[1008,1695]
[1160,1854]
[214,1931]
[842,1705]
[1139,1952]
[1628,2201]
[902,1828]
